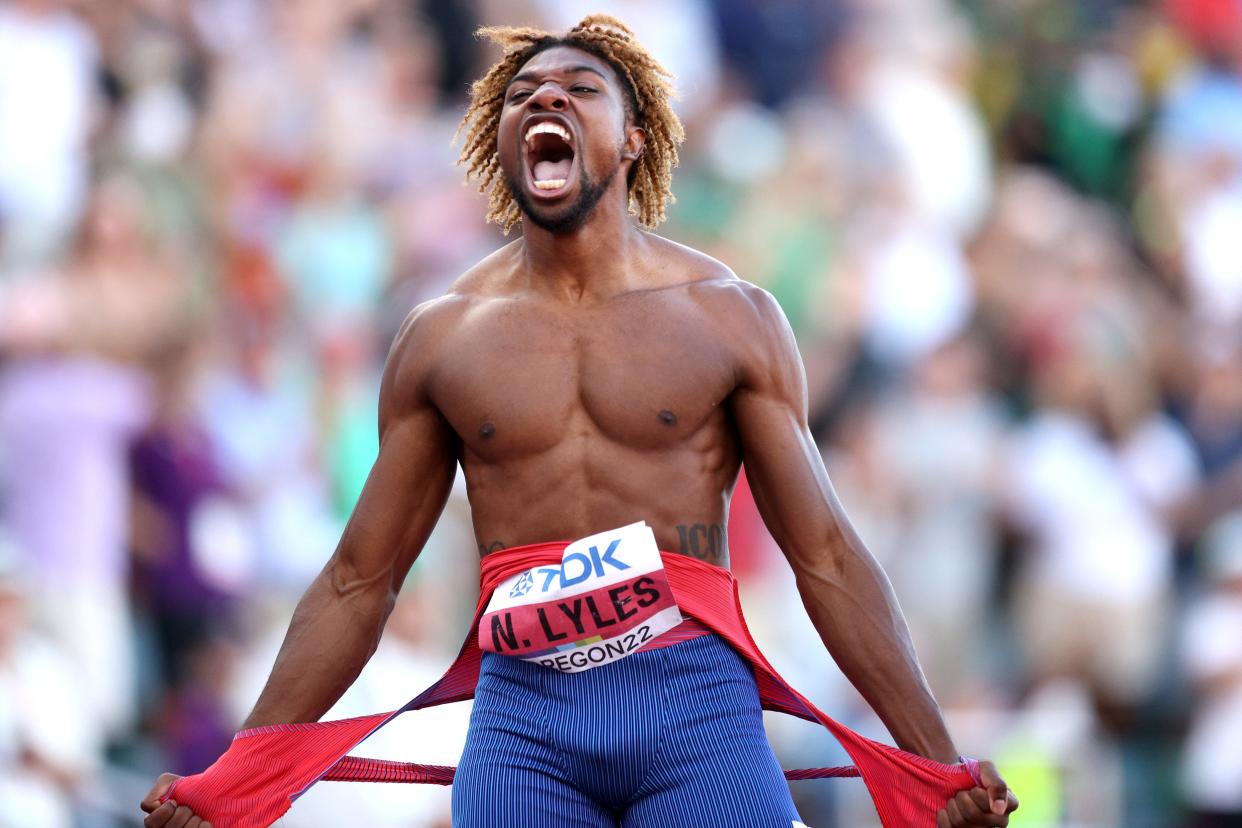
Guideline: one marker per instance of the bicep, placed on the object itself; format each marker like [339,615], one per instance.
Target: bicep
[409,482]
[787,476]
[783,464]
[401,500]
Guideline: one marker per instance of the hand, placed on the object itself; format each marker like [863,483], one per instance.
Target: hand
[989,805]
[168,814]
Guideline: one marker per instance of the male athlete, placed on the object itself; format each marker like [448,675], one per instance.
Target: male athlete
[587,376]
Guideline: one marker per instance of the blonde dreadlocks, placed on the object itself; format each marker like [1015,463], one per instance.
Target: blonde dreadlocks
[648,89]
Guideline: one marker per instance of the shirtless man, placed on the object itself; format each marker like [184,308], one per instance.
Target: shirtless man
[587,376]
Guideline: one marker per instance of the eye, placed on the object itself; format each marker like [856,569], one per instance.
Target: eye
[519,94]
[581,88]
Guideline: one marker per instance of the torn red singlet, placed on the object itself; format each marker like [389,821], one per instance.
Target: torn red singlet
[266,768]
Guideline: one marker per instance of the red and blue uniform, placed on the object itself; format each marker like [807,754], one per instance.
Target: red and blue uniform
[642,742]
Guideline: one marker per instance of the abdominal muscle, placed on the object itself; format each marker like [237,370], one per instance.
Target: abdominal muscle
[681,495]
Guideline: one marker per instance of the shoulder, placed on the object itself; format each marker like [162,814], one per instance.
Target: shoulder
[430,322]
[413,352]
[723,293]
[430,325]
[734,303]
[748,318]
[425,326]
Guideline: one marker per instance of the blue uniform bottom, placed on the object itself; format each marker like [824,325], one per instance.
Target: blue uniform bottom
[666,737]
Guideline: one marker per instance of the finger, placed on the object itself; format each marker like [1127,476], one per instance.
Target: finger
[942,819]
[160,816]
[967,807]
[207,825]
[976,809]
[158,790]
[180,817]
[979,796]
[195,822]
[955,814]
[998,791]
[1013,802]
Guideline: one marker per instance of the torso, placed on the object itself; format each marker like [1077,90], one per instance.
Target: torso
[573,419]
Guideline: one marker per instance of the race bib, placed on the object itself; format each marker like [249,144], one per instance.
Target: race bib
[608,597]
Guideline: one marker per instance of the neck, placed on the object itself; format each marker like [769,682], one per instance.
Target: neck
[595,260]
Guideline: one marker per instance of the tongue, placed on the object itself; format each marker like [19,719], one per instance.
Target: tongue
[552,170]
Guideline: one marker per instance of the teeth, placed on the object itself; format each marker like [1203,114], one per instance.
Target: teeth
[547,126]
[552,184]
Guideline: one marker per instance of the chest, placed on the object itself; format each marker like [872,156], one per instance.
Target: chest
[517,376]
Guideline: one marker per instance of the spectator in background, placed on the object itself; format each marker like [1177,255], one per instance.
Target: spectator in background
[50,743]
[1090,481]
[898,71]
[429,218]
[72,397]
[772,49]
[44,126]
[256,405]
[1209,402]
[939,434]
[1212,655]
[1200,138]
[178,568]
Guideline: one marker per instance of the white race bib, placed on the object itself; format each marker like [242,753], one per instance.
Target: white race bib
[607,598]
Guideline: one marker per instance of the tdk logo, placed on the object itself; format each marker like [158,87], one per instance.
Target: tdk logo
[593,565]
[575,568]
[523,586]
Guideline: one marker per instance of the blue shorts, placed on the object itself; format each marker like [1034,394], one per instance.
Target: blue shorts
[666,737]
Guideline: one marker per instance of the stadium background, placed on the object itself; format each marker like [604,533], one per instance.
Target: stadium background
[1007,236]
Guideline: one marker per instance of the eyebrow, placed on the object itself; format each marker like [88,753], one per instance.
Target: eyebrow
[573,70]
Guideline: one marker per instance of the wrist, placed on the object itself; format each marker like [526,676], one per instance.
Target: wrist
[939,749]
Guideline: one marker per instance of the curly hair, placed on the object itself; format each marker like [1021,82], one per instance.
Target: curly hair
[648,91]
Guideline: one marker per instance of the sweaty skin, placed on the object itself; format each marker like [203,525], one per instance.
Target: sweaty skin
[587,379]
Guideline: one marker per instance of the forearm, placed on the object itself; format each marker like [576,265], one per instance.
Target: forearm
[851,603]
[335,629]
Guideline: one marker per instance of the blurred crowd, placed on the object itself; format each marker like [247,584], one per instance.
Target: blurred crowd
[1007,234]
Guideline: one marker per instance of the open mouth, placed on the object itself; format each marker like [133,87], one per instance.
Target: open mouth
[549,157]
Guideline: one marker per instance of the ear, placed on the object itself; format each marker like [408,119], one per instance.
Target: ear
[635,143]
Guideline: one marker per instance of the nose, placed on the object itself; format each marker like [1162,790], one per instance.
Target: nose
[549,96]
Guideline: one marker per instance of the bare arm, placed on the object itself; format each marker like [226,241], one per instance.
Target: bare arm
[846,593]
[337,624]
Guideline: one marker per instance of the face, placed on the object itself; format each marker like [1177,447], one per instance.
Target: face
[563,137]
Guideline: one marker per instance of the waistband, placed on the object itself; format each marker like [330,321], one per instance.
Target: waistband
[498,566]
